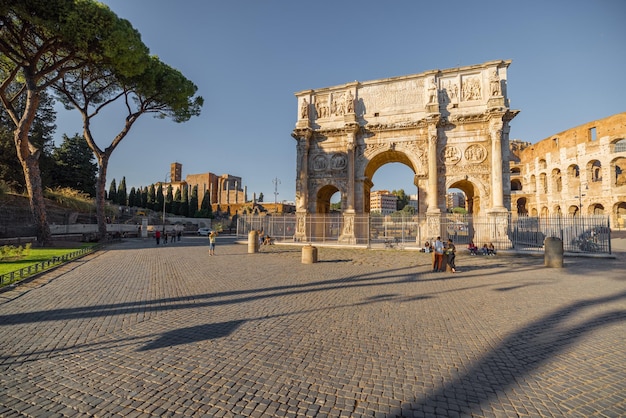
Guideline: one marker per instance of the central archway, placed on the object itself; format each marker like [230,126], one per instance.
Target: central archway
[375,164]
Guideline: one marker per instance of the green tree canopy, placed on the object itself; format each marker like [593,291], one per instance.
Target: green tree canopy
[41,42]
[74,165]
[159,89]
[403,198]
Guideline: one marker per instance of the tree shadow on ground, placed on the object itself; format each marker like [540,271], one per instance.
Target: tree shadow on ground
[523,352]
[193,334]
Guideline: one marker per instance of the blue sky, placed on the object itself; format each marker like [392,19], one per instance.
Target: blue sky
[248,58]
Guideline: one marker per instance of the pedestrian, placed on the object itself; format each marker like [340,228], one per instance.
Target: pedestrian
[180,234]
[450,251]
[164,237]
[157,235]
[438,255]
[212,237]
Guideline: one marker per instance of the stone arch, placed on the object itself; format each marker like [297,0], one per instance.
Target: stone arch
[533,184]
[619,211]
[516,185]
[381,158]
[557,184]
[473,191]
[618,145]
[596,209]
[573,210]
[544,211]
[400,120]
[594,171]
[515,170]
[388,156]
[543,183]
[557,210]
[542,164]
[323,196]
[618,171]
[521,206]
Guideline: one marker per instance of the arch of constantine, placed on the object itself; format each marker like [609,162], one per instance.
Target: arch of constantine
[580,170]
[450,127]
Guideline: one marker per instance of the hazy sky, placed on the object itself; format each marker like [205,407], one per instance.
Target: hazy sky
[248,58]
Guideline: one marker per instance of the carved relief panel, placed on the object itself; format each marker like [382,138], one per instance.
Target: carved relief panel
[471,87]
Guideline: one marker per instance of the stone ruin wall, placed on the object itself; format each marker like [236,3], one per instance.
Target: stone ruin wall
[548,174]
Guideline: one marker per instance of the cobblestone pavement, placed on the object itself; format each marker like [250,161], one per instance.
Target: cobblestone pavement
[140,331]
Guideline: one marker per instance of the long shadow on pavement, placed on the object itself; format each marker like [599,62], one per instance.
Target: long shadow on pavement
[521,353]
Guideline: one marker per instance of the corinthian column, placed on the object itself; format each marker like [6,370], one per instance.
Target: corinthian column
[497,187]
[432,172]
[303,137]
[350,147]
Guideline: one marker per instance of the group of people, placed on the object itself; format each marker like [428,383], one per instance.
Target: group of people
[265,239]
[487,249]
[164,236]
[444,253]
[439,250]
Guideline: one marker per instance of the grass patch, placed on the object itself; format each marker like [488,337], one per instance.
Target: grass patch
[36,256]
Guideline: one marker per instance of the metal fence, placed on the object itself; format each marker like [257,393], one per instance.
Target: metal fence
[584,234]
[40,266]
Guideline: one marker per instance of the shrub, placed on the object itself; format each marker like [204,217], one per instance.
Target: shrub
[11,252]
[71,198]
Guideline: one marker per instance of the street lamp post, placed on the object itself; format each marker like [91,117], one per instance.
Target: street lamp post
[163,190]
[276,182]
[580,197]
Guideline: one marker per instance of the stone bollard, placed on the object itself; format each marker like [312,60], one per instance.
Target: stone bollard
[253,242]
[309,254]
[553,252]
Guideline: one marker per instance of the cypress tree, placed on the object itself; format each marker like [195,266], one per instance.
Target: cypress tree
[113,192]
[122,195]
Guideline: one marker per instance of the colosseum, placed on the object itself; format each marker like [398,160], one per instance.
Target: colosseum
[580,170]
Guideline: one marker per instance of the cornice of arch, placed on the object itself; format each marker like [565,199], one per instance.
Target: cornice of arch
[380,127]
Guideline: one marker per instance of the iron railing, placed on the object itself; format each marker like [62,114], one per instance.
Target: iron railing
[582,234]
[25,272]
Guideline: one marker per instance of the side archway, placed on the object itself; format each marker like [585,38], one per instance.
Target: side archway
[324,195]
[472,191]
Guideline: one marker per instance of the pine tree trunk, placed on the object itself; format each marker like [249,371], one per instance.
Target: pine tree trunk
[29,158]
[37,201]
[103,161]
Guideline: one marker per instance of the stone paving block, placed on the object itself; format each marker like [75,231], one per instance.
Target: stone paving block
[146,331]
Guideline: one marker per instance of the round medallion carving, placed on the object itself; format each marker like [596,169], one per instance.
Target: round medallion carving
[320,163]
[450,155]
[475,153]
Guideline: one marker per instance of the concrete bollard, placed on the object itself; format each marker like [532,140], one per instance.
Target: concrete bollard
[553,252]
[309,254]
[253,242]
